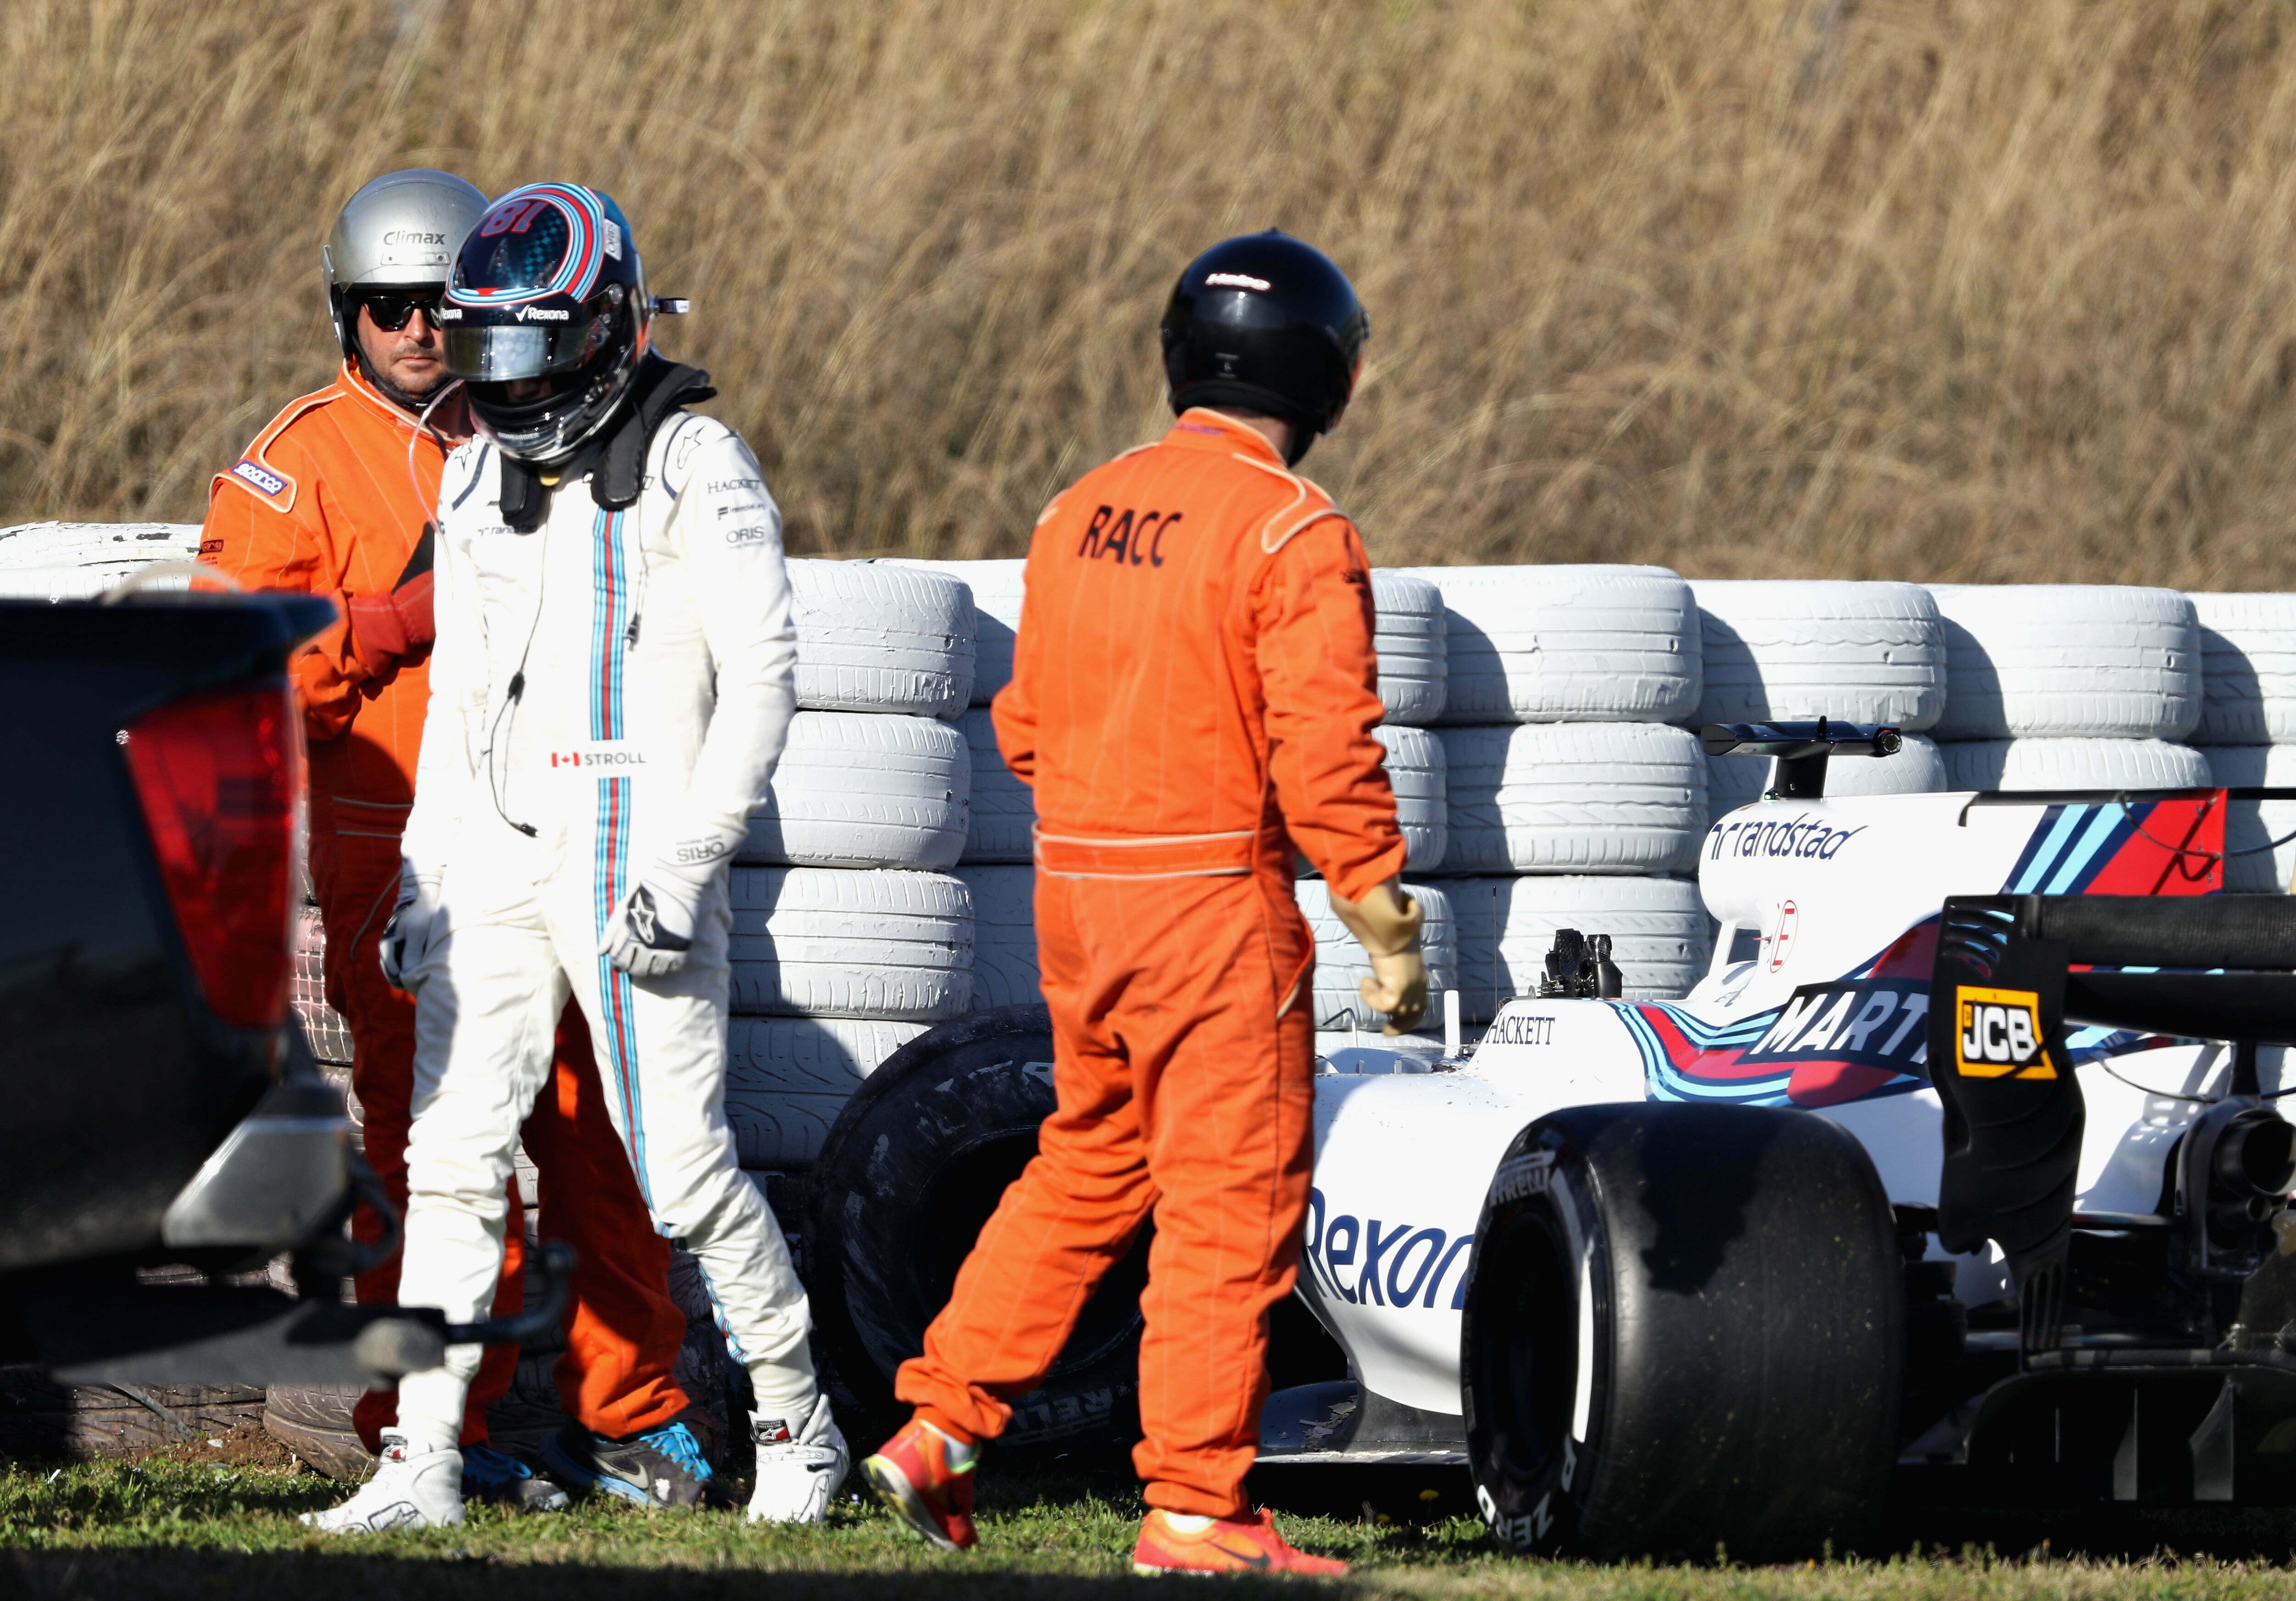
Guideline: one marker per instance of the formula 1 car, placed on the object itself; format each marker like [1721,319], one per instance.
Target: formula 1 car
[1963,1153]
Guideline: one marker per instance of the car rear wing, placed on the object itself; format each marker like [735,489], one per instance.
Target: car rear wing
[2011,972]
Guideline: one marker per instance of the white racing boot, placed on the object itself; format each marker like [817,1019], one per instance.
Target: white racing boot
[410,1489]
[800,1464]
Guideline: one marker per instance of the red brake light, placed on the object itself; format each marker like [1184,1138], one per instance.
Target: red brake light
[220,776]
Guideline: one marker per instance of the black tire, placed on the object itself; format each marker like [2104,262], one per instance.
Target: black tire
[1745,1315]
[914,1164]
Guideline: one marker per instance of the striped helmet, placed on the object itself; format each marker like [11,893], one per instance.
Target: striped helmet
[547,298]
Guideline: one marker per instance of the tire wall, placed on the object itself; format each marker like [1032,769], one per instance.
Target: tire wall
[2247,728]
[1574,799]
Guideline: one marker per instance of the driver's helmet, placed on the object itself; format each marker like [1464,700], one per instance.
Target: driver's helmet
[547,286]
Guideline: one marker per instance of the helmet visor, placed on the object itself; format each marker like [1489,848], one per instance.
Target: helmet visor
[524,349]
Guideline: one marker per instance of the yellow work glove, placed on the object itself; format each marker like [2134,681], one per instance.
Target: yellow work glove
[1386,924]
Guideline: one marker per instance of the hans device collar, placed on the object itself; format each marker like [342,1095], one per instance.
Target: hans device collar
[614,457]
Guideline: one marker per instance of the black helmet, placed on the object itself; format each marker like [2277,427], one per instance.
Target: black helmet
[546,286]
[1265,322]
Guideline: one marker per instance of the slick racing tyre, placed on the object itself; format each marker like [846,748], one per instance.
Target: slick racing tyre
[1574,797]
[1684,1333]
[1506,925]
[912,1170]
[996,591]
[1916,769]
[2253,863]
[822,941]
[1413,676]
[2068,661]
[1340,964]
[856,790]
[1002,821]
[788,1078]
[874,637]
[1566,644]
[2248,669]
[2073,765]
[1005,971]
[1853,652]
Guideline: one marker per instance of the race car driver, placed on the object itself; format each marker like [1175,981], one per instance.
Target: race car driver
[611,689]
[1192,697]
[333,497]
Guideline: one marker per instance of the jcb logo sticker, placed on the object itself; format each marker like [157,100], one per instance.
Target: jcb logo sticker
[1998,1035]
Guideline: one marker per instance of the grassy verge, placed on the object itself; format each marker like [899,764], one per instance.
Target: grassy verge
[180,1525]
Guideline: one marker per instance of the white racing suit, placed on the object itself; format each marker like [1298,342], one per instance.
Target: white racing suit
[608,692]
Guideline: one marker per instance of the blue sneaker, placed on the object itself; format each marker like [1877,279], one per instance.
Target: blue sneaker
[661,1467]
[492,1475]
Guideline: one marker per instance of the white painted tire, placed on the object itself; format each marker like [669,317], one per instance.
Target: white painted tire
[786,1078]
[1574,797]
[1415,771]
[1002,820]
[1918,769]
[1414,675]
[855,789]
[54,544]
[2073,765]
[1657,930]
[1340,964]
[2252,825]
[1005,971]
[1566,644]
[2068,661]
[1854,652]
[78,561]
[996,591]
[2248,669]
[874,637]
[820,941]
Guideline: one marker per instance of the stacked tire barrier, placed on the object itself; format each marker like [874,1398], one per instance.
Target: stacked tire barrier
[78,561]
[2248,727]
[1000,841]
[1792,651]
[1572,800]
[850,935]
[1411,640]
[2064,686]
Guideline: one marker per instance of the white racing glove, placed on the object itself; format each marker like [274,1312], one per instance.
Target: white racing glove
[651,930]
[414,924]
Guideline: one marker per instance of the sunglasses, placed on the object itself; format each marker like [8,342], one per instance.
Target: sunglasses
[392,308]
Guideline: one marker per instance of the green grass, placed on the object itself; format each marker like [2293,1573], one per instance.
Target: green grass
[185,1528]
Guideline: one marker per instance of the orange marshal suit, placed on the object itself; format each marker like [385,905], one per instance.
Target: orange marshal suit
[1192,699]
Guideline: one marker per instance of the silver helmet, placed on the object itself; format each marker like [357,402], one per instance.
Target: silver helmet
[401,229]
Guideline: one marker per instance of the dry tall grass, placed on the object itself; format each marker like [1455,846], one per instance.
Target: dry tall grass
[1906,288]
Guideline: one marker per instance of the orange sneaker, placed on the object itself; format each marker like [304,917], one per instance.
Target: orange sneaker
[1172,1543]
[925,1479]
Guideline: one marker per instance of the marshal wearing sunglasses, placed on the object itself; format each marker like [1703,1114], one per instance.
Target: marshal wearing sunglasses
[388,308]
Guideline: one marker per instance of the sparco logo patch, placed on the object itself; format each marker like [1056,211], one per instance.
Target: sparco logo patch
[1998,1035]
[263,479]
